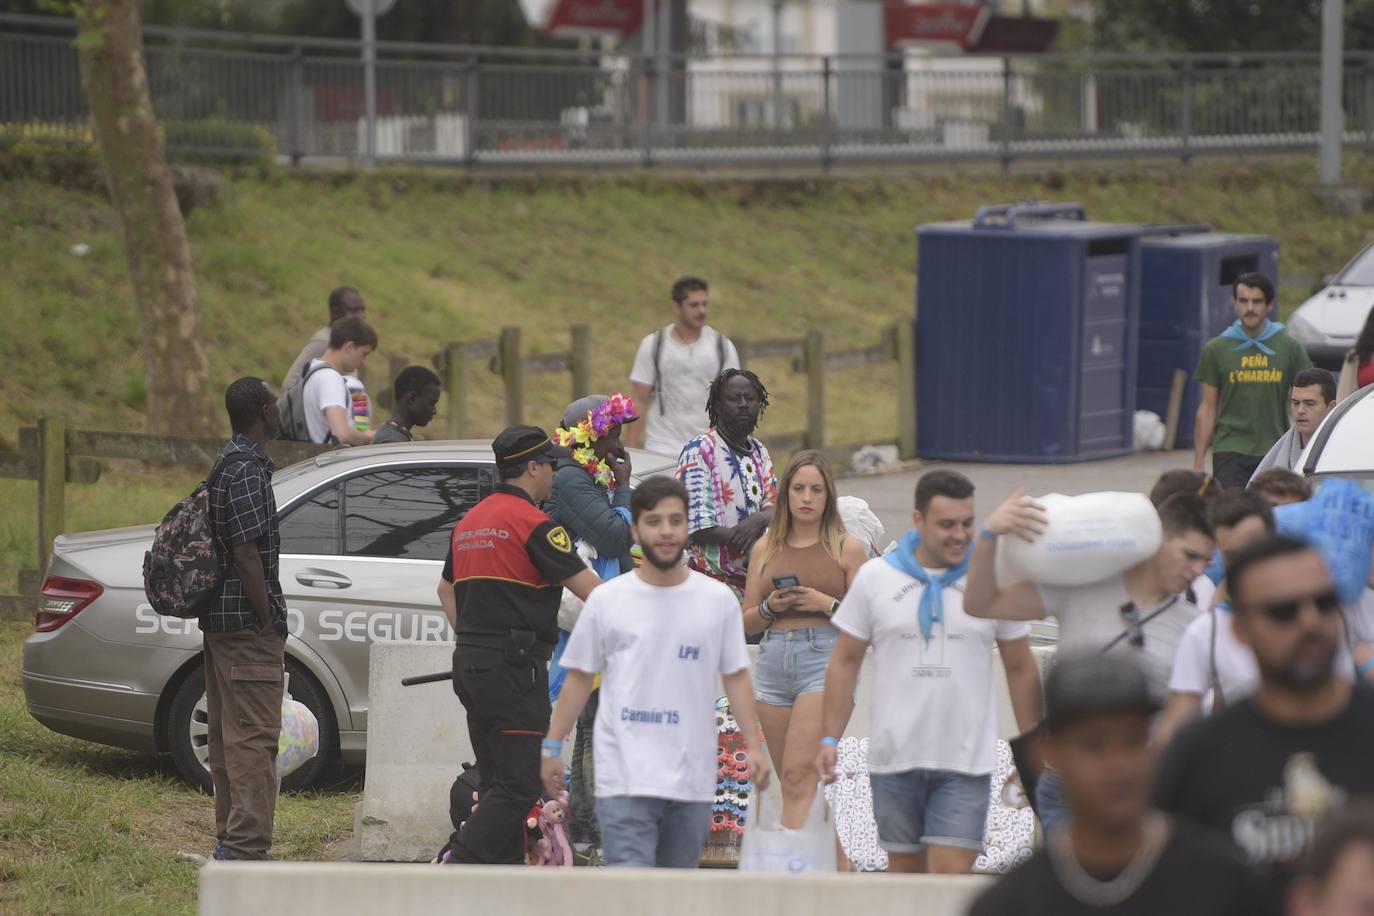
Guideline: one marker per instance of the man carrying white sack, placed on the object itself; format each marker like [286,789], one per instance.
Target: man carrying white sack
[1140,611]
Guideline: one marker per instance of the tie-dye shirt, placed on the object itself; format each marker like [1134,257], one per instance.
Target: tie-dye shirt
[723,489]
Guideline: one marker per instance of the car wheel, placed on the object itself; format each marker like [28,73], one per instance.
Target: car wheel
[188,729]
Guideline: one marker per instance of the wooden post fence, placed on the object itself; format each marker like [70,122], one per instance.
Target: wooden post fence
[813,363]
[53,455]
[52,484]
[512,373]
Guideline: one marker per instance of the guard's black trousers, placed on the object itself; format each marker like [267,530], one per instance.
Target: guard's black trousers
[508,716]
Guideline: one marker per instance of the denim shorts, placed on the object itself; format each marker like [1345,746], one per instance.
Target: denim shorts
[921,808]
[792,662]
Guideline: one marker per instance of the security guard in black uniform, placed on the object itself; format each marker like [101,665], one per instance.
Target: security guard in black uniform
[508,565]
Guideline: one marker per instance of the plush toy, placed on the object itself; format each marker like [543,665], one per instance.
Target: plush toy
[555,850]
[534,836]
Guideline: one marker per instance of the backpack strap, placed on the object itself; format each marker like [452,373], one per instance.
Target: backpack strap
[658,372]
[720,352]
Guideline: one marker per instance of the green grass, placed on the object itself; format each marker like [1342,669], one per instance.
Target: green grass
[441,258]
[90,829]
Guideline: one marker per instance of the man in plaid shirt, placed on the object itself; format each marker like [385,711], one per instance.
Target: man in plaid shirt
[245,630]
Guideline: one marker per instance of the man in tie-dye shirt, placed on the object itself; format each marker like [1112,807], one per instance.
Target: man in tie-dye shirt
[730,480]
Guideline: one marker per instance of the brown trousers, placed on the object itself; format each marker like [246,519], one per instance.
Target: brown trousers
[243,692]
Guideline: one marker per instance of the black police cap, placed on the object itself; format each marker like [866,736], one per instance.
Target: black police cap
[517,444]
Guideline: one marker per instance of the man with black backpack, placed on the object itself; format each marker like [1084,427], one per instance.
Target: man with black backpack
[673,370]
[245,629]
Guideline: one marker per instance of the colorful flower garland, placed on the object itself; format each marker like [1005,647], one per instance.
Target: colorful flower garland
[616,410]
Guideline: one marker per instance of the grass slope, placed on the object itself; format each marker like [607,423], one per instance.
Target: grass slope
[89,829]
[443,259]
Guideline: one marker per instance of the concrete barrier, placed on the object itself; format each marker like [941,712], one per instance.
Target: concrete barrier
[417,741]
[304,889]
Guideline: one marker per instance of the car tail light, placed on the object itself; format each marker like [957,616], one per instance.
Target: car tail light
[63,599]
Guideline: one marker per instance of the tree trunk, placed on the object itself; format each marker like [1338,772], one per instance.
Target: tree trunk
[110,42]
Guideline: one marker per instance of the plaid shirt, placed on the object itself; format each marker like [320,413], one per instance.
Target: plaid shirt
[244,510]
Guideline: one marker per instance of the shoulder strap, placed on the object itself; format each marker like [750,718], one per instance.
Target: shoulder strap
[658,373]
[1153,614]
[1213,676]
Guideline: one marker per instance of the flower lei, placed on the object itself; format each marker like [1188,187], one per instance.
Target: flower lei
[616,410]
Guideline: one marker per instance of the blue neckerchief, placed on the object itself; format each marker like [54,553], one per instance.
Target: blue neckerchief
[932,607]
[1237,332]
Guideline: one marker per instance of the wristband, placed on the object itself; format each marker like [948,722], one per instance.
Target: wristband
[987,535]
[1367,666]
[828,741]
[551,748]
[765,611]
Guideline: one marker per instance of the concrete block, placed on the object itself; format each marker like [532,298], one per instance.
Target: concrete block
[328,889]
[417,739]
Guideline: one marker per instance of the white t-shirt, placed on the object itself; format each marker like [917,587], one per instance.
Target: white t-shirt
[659,652]
[1360,617]
[686,371]
[933,705]
[1236,670]
[1090,619]
[1204,590]
[325,388]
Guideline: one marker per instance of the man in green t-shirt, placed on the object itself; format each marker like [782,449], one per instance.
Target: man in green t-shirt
[1245,373]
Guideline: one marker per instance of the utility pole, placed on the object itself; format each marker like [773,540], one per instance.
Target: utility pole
[1332,114]
[368,11]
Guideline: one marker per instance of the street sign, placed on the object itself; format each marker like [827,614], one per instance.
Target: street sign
[379,7]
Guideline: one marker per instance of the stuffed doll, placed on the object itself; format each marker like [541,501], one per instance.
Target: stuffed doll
[555,848]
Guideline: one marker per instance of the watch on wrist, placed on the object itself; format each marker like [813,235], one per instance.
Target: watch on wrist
[834,606]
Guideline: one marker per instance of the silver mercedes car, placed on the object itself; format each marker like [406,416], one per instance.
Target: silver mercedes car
[364,534]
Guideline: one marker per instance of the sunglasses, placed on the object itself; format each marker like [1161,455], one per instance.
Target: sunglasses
[1288,611]
[1135,629]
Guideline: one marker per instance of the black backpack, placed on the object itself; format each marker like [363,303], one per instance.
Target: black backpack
[184,569]
[291,409]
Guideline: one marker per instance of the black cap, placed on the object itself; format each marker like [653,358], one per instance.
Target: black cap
[1093,683]
[518,444]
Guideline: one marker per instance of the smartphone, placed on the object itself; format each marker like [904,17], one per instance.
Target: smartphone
[786,582]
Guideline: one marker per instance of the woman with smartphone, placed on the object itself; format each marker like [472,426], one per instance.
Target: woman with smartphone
[798,572]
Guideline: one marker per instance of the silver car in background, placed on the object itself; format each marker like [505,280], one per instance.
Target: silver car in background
[364,535]
[1328,322]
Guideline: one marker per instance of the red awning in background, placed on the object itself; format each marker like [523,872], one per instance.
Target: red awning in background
[595,17]
[952,23]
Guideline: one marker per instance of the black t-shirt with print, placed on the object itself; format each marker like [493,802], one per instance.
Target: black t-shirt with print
[1263,785]
[1195,876]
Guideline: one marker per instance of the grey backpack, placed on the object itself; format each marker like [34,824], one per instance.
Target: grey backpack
[291,409]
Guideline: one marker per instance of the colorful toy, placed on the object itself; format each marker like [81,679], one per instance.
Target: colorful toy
[554,848]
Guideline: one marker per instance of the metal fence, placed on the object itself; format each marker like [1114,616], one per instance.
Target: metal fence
[223,93]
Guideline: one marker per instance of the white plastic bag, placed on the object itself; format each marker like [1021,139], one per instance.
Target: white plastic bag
[860,522]
[1149,431]
[769,847]
[300,736]
[1089,538]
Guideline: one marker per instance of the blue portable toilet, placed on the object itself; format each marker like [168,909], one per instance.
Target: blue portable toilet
[1026,336]
[1186,273]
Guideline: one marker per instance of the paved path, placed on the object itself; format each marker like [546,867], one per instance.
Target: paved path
[891,495]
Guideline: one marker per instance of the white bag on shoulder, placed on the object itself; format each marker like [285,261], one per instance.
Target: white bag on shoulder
[769,847]
[1089,538]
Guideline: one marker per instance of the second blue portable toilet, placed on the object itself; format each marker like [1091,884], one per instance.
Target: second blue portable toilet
[1186,274]
[1026,336]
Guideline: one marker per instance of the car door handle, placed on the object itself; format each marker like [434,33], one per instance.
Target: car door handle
[322,578]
